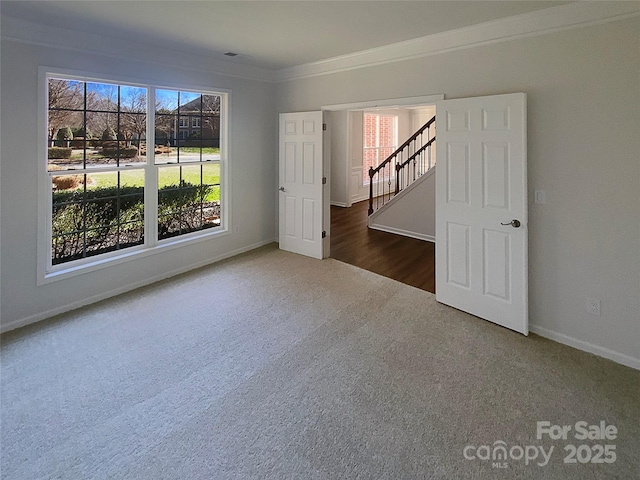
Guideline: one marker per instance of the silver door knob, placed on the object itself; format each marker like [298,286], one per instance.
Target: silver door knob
[514,223]
[281,189]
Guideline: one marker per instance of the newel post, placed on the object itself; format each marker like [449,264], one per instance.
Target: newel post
[370,190]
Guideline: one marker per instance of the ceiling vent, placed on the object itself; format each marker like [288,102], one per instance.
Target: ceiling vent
[231,54]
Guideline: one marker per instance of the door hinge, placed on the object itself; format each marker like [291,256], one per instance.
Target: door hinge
[324,180]
[324,126]
[324,234]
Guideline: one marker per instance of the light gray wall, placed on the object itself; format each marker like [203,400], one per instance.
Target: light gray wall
[253,176]
[583,144]
[338,124]
[412,212]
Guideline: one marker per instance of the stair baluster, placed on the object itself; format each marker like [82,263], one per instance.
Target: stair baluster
[410,154]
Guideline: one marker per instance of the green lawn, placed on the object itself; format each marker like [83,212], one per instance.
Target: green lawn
[206,150]
[94,154]
[166,176]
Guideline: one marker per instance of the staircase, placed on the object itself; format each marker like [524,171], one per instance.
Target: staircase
[413,159]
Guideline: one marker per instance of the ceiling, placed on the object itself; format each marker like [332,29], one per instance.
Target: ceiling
[267,34]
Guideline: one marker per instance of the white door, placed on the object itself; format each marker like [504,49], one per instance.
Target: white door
[301,186]
[481,208]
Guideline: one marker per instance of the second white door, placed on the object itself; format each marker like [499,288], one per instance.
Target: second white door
[301,183]
[481,208]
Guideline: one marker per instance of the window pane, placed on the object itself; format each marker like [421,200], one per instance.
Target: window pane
[188,199]
[65,105]
[190,121]
[96,213]
[102,97]
[387,131]
[165,127]
[189,153]
[133,131]
[210,105]
[133,99]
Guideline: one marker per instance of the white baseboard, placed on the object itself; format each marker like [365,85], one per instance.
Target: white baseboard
[22,322]
[406,233]
[338,204]
[586,347]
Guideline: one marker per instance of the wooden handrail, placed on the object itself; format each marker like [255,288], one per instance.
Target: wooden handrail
[402,147]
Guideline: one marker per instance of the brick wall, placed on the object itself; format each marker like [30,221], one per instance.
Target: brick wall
[379,141]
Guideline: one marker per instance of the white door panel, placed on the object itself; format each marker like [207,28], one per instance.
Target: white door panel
[481,184]
[301,188]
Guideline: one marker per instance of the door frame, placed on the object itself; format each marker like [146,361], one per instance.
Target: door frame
[371,105]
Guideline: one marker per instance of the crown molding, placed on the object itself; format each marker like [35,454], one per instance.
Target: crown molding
[541,22]
[32,33]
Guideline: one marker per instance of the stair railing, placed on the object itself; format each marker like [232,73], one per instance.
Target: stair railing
[409,162]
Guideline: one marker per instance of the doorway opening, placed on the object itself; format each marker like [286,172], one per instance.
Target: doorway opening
[408,260]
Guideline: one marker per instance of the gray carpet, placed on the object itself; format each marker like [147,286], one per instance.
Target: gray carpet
[273,365]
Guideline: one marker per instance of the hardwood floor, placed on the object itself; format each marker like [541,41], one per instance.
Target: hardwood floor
[405,259]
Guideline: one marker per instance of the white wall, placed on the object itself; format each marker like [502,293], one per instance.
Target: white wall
[583,144]
[253,175]
[412,212]
[338,126]
[358,190]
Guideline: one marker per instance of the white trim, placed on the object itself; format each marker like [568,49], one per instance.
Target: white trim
[98,262]
[339,204]
[123,289]
[360,198]
[404,233]
[387,103]
[617,357]
[540,22]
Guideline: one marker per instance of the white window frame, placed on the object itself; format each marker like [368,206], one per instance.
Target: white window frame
[47,272]
[195,122]
[365,174]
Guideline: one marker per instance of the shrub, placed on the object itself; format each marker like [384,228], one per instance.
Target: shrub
[66,182]
[77,142]
[59,152]
[109,134]
[64,133]
[94,215]
[82,132]
[111,150]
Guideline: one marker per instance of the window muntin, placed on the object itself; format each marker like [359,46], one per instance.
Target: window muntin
[380,139]
[97,190]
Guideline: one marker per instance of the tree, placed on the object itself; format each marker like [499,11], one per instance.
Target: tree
[109,134]
[165,119]
[64,135]
[64,97]
[133,122]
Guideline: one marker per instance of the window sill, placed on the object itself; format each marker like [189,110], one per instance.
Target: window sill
[63,272]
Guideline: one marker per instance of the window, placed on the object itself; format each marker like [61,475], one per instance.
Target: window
[111,191]
[380,139]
